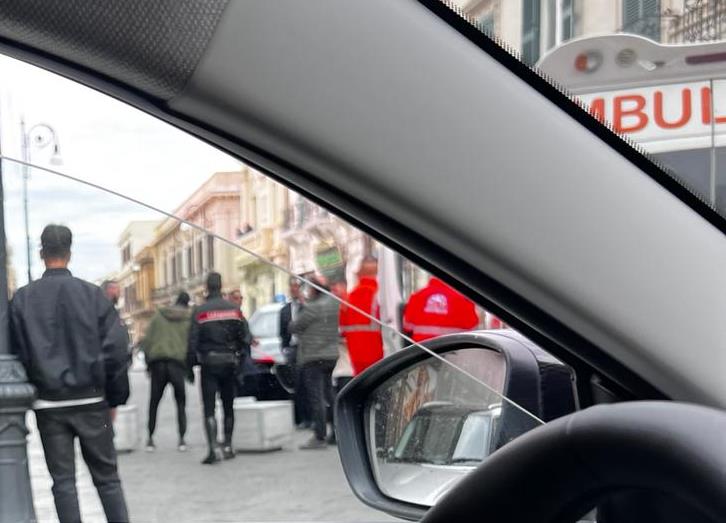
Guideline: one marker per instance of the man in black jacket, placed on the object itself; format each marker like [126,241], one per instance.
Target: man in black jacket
[216,342]
[74,348]
[288,313]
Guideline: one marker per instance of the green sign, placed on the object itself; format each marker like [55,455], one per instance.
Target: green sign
[330,263]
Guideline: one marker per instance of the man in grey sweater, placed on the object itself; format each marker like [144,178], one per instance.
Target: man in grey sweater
[318,333]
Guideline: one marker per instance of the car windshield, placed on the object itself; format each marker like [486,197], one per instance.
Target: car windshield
[652,70]
[443,438]
[265,324]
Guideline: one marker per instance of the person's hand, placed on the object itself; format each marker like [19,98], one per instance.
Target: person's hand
[255,342]
[113,415]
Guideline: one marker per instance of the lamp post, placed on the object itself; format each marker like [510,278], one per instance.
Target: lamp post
[16,397]
[41,135]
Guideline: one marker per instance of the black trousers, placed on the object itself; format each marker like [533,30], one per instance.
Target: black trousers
[162,373]
[301,399]
[223,381]
[91,424]
[317,376]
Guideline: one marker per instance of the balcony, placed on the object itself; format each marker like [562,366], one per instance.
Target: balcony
[169,292]
[700,21]
[305,219]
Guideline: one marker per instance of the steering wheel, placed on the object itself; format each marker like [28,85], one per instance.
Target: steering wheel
[641,451]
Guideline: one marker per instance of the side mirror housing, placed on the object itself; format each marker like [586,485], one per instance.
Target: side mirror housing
[411,426]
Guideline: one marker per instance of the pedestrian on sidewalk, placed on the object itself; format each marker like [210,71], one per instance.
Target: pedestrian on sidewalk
[317,329]
[288,313]
[438,309]
[70,339]
[247,375]
[215,343]
[343,370]
[165,347]
[361,332]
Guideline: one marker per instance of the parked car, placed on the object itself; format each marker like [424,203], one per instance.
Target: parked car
[442,433]
[262,381]
[439,446]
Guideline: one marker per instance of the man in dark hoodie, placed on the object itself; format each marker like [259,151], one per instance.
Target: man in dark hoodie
[165,347]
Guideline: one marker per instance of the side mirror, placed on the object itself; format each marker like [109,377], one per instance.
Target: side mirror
[410,427]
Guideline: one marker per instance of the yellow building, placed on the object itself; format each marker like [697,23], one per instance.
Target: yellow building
[185,255]
[262,211]
[142,308]
[132,308]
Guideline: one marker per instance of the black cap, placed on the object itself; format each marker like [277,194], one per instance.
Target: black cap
[55,241]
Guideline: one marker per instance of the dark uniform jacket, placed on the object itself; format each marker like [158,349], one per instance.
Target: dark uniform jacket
[70,339]
[216,330]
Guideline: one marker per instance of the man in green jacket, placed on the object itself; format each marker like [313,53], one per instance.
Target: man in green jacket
[317,329]
[165,348]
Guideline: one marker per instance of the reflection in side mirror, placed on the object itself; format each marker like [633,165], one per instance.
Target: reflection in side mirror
[430,424]
[414,424]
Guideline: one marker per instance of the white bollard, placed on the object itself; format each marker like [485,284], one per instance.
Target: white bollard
[126,428]
[260,426]
[263,425]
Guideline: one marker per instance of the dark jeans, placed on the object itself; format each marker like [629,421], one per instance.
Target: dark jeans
[301,399]
[91,424]
[317,376]
[162,373]
[224,381]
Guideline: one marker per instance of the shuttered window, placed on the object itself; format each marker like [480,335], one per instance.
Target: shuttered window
[567,20]
[642,17]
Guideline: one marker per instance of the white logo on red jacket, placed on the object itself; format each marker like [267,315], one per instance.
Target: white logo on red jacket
[437,304]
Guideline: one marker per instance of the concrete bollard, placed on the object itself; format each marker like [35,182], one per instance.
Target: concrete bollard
[260,426]
[126,428]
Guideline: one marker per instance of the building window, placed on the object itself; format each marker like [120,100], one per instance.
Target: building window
[210,252]
[642,17]
[190,262]
[531,18]
[200,256]
[262,210]
[568,20]
[126,254]
[174,274]
[179,267]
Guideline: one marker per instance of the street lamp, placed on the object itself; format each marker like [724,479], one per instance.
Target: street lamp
[39,136]
[16,397]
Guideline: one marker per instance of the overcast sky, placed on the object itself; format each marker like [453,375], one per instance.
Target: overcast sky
[103,141]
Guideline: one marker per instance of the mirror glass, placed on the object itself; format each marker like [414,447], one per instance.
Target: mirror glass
[431,424]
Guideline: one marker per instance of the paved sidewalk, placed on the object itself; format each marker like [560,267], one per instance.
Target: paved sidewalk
[287,485]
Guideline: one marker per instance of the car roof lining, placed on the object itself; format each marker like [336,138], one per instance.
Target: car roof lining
[502,294]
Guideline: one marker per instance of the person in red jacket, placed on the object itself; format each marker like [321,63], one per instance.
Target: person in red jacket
[362,335]
[437,309]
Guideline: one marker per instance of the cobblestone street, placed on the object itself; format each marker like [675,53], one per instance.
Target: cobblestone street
[286,485]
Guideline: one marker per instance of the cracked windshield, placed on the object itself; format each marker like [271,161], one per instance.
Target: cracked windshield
[186,324]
